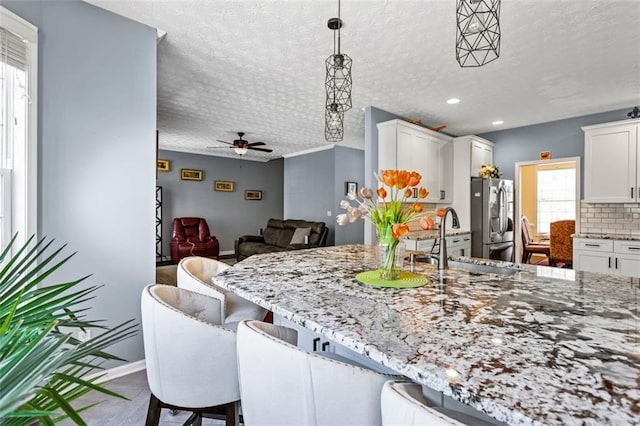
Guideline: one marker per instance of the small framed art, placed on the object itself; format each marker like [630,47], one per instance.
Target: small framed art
[191,174]
[545,155]
[223,185]
[164,165]
[350,187]
[252,194]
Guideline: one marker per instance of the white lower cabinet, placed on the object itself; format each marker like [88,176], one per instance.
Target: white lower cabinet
[459,245]
[618,257]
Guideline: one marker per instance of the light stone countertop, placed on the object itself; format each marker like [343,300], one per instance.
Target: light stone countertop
[541,346]
[609,237]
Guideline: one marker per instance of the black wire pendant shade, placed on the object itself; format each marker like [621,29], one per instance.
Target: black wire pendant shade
[478,32]
[338,85]
[333,124]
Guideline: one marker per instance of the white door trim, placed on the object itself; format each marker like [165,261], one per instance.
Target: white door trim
[518,192]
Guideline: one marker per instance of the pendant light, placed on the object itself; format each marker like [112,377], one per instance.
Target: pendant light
[333,124]
[478,32]
[337,84]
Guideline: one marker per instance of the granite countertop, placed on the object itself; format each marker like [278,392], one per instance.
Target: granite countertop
[609,237]
[540,346]
[434,233]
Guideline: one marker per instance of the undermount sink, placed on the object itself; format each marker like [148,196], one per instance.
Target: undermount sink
[472,267]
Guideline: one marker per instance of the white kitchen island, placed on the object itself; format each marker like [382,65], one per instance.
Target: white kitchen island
[538,346]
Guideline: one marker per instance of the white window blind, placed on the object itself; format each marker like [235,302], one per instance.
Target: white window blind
[556,197]
[13,50]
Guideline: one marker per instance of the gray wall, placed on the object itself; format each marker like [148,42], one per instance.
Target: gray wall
[96,165]
[564,138]
[228,214]
[349,167]
[309,188]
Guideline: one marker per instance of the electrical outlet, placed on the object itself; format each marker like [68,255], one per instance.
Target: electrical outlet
[83,336]
[329,213]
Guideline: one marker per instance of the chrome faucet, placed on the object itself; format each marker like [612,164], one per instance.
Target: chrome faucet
[443,263]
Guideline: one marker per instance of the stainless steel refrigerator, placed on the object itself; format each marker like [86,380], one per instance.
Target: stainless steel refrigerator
[492,219]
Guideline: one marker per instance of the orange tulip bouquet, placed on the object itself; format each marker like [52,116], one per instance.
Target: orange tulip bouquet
[390,213]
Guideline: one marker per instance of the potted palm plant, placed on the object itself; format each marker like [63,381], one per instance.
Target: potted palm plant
[43,367]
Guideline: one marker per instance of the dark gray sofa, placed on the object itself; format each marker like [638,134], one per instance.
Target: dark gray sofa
[277,237]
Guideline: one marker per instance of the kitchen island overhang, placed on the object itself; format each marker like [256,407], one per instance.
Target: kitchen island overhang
[539,346]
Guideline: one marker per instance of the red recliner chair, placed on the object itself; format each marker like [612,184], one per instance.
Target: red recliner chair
[191,237]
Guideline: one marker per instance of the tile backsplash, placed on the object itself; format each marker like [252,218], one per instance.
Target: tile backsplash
[619,219]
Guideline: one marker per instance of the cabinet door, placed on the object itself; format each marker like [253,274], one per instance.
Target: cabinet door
[610,164]
[446,173]
[431,169]
[481,153]
[592,261]
[627,265]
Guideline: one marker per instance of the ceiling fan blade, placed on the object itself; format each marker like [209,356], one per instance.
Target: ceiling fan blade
[256,144]
[260,149]
[218,147]
[228,143]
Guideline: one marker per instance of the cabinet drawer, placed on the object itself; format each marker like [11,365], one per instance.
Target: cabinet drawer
[458,240]
[629,247]
[593,244]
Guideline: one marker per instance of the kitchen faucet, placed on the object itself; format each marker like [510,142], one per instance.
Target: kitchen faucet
[455,223]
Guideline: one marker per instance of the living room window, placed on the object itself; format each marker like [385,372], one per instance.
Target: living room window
[556,197]
[18,127]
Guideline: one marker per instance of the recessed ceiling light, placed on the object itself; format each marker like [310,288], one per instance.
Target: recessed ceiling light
[453,101]
[497,122]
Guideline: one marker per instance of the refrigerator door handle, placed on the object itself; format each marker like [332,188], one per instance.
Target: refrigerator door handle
[498,247]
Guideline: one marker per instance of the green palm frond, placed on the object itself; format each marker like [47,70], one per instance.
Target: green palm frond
[42,368]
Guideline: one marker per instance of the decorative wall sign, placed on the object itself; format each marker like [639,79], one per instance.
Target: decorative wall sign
[350,187]
[191,174]
[545,155]
[223,185]
[252,194]
[164,165]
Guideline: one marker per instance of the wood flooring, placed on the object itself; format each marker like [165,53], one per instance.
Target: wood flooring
[116,412]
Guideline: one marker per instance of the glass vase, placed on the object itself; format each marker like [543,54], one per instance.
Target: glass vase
[390,255]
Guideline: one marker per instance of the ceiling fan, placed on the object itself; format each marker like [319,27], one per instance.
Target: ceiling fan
[241,146]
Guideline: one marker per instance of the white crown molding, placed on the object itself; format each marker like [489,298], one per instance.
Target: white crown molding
[237,157]
[310,150]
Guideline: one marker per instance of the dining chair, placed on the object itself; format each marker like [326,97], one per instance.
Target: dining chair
[561,243]
[179,326]
[196,274]
[281,384]
[402,403]
[529,246]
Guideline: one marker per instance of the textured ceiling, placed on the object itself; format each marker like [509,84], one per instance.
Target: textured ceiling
[258,67]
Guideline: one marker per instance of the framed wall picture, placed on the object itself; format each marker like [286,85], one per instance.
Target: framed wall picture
[191,174]
[164,165]
[350,187]
[252,194]
[223,185]
[545,155]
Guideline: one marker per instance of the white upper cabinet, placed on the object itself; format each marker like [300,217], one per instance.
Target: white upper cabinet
[611,162]
[481,154]
[405,146]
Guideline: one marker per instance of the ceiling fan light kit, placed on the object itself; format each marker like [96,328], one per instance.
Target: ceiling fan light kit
[241,146]
[477,32]
[338,84]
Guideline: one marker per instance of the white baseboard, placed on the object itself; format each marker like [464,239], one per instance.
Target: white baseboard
[226,252]
[119,371]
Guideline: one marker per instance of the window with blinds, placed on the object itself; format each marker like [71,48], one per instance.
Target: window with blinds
[556,197]
[18,131]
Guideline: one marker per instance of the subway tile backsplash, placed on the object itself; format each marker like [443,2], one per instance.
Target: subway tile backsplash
[618,219]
